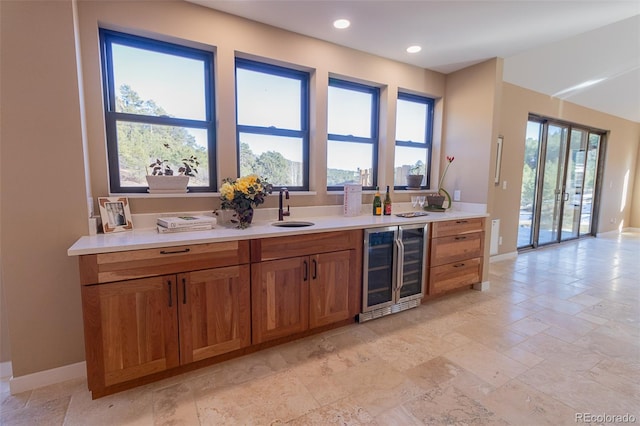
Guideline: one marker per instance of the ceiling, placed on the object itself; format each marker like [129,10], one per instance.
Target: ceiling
[551,47]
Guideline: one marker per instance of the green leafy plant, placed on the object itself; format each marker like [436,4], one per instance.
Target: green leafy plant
[418,169]
[163,168]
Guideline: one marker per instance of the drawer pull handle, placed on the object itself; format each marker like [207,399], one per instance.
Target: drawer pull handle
[458,265]
[315,269]
[461,238]
[187,250]
[462,221]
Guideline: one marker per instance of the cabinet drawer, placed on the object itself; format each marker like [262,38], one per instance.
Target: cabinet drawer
[304,245]
[118,266]
[456,227]
[454,275]
[455,248]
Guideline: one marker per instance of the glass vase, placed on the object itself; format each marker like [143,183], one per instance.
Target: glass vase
[244,216]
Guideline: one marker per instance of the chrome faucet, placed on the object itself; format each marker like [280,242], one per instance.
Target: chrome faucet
[281,212]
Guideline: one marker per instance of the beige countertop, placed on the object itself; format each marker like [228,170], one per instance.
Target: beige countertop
[146,238]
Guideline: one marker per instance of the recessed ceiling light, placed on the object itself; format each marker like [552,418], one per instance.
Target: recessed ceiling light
[341,23]
[414,49]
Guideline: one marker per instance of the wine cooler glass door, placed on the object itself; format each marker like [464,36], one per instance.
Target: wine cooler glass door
[379,267]
[414,241]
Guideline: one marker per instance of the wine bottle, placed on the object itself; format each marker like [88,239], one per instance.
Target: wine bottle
[377,203]
[387,203]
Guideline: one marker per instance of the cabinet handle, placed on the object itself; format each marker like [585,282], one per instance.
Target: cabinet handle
[170,297]
[458,265]
[306,271]
[315,269]
[184,291]
[461,238]
[461,221]
[187,250]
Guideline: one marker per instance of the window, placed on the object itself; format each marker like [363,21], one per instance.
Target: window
[273,123]
[158,105]
[414,123]
[352,143]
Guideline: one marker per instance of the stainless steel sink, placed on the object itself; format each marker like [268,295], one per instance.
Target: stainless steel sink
[292,224]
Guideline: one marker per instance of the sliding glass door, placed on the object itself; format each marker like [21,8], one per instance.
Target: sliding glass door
[559,183]
[550,205]
[587,211]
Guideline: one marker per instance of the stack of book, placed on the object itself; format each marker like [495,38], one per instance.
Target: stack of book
[185,223]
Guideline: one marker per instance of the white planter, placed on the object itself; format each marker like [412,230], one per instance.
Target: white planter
[167,184]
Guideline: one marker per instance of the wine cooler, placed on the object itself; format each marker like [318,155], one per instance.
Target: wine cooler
[394,269]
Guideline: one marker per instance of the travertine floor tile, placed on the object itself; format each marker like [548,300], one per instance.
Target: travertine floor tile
[448,405]
[398,416]
[491,366]
[521,404]
[578,392]
[51,412]
[280,397]
[175,405]
[344,412]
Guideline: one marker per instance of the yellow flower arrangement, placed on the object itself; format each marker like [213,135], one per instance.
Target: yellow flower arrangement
[242,195]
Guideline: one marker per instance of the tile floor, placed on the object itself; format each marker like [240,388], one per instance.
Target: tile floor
[556,337]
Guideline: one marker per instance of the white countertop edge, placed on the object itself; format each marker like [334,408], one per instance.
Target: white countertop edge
[148,238]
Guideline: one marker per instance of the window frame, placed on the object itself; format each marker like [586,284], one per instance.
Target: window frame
[112,117]
[304,78]
[428,140]
[374,140]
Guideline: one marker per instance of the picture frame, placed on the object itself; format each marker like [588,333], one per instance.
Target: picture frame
[496,178]
[115,214]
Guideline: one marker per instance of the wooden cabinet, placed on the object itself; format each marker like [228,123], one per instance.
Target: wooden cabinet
[280,292]
[330,286]
[456,252]
[141,326]
[131,330]
[317,287]
[214,312]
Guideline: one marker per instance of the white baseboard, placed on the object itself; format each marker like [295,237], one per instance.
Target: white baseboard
[48,377]
[504,256]
[5,369]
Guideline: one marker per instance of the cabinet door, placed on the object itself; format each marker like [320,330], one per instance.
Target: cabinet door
[279,298]
[214,307]
[131,328]
[329,287]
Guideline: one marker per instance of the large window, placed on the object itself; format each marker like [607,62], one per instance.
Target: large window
[158,105]
[352,143]
[414,123]
[273,123]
